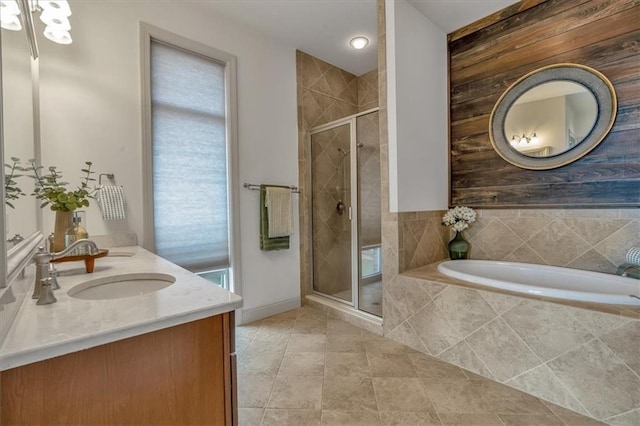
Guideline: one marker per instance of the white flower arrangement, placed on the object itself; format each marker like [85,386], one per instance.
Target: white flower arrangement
[459,218]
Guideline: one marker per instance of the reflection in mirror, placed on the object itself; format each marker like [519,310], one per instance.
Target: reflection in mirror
[18,126]
[551,118]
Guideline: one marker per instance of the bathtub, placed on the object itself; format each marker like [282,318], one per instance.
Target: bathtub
[548,281]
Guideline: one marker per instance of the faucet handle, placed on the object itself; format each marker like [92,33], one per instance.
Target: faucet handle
[46,296]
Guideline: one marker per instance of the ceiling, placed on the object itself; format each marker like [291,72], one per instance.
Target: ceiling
[323,28]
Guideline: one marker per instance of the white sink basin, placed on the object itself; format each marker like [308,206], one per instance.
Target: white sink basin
[120,286]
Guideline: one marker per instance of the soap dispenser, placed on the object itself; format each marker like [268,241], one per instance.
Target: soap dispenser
[74,233]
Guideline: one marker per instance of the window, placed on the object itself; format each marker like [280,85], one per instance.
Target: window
[371,261]
[188,154]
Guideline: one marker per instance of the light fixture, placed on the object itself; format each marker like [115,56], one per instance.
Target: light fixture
[524,140]
[53,13]
[359,42]
[9,12]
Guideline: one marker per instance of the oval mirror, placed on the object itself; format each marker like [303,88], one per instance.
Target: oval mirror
[553,116]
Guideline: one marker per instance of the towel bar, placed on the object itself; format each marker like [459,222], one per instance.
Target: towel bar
[256,187]
[108,175]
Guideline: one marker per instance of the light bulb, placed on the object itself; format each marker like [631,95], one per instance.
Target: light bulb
[9,8]
[57,7]
[57,36]
[51,19]
[534,139]
[10,22]
[359,42]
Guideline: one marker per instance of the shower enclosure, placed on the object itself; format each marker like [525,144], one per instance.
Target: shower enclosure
[346,211]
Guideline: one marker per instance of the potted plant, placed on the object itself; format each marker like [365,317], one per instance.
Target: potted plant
[52,190]
[11,190]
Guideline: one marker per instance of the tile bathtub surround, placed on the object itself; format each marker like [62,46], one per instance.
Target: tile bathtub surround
[593,239]
[577,358]
[337,374]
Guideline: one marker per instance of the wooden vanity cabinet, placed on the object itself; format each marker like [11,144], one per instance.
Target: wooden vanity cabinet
[182,375]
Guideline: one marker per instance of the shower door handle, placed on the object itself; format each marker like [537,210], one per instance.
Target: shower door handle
[349,212]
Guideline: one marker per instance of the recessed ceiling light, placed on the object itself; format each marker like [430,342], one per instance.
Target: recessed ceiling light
[359,42]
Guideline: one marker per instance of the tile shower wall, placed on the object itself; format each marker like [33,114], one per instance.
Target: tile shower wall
[325,93]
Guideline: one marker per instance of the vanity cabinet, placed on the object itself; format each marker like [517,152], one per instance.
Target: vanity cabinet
[182,375]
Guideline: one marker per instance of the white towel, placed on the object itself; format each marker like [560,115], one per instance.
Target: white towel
[111,202]
[279,214]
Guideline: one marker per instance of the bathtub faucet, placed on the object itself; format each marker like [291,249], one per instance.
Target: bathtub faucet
[628,270]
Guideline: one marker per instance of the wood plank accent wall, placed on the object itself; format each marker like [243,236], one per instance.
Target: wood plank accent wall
[488,56]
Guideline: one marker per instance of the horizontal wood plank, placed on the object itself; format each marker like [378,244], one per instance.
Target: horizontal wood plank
[603,34]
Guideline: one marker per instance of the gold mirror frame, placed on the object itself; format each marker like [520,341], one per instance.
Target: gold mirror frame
[593,80]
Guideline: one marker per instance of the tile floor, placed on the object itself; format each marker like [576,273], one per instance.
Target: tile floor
[304,368]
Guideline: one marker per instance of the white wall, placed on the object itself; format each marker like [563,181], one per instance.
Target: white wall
[418,105]
[91,110]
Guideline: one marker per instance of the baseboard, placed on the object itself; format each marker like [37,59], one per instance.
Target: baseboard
[249,315]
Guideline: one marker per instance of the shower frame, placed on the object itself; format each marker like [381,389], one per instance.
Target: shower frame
[353,209]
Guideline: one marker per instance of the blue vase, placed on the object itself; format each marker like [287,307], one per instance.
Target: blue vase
[459,247]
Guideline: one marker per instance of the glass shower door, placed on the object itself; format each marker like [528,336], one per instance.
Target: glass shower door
[330,212]
[369,215]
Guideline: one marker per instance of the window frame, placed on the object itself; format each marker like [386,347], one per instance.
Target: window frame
[147,33]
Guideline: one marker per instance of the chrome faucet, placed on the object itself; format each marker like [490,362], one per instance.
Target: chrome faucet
[628,270]
[42,260]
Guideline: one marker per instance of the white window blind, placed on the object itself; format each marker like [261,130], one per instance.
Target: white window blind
[190,202]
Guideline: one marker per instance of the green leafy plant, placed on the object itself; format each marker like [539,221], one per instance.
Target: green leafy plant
[11,190]
[53,191]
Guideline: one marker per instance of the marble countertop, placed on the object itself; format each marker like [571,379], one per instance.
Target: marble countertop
[71,325]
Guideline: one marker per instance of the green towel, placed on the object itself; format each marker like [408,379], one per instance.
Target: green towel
[266,243]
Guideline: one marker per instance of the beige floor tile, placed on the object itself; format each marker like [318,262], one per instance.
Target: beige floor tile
[307,326]
[346,364]
[342,327]
[625,342]
[476,419]
[378,344]
[250,416]
[456,396]
[283,417]
[429,367]
[254,390]
[275,326]
[401,394]
[506,400]
[530,420]
[344,343]
[403,418]
[302,364]
[256,362]
[572,418]
[269,343]
[303,392]
[309,313]
[348,393]
[350,418]
[390,365]
[306,343]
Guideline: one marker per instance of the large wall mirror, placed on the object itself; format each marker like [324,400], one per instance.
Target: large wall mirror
[553,116]
[19,126]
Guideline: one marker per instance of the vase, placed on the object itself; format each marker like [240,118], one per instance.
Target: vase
[459,247]
[63,222]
